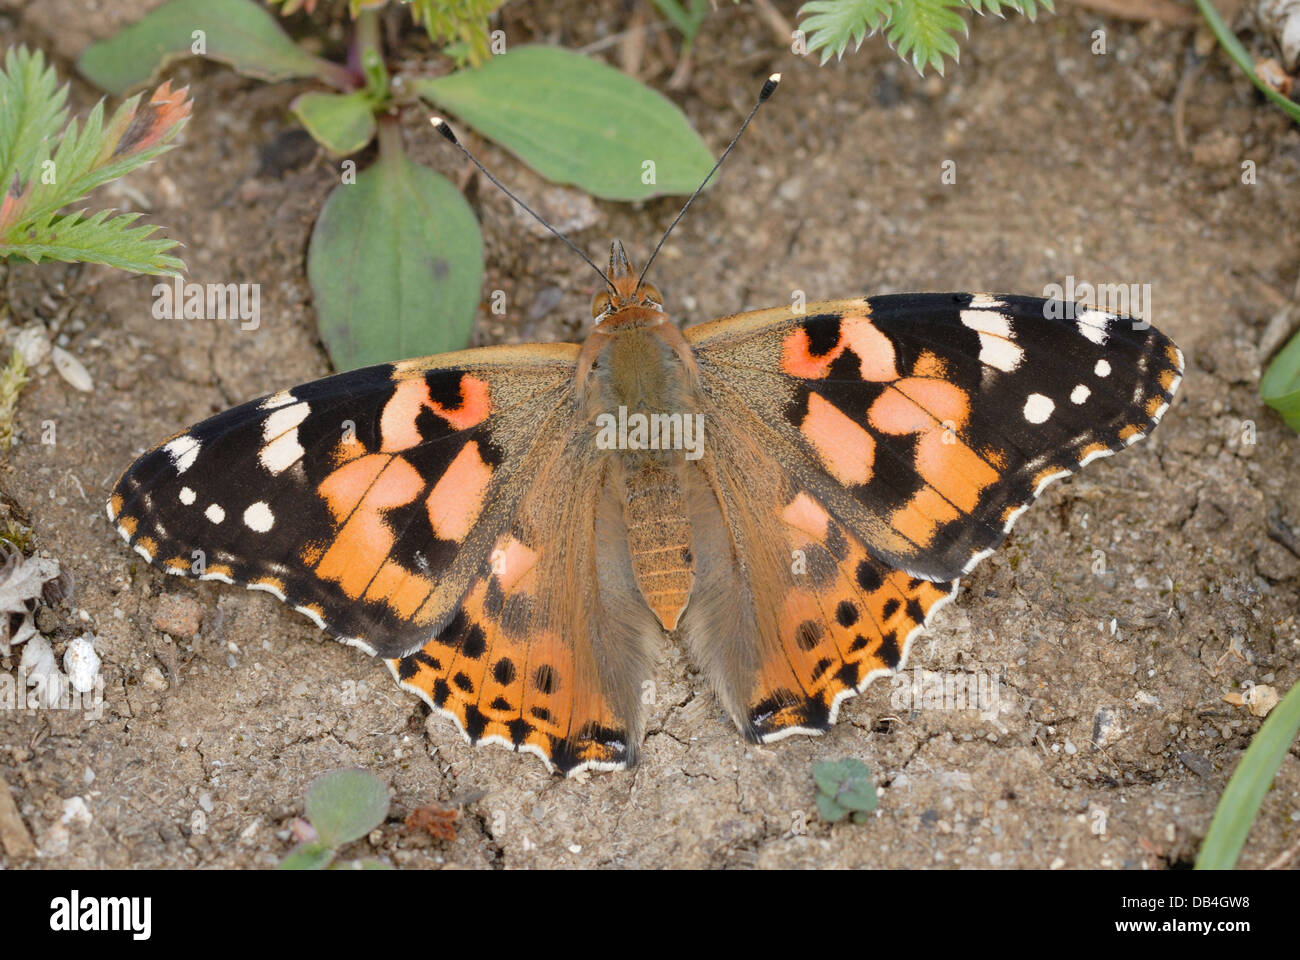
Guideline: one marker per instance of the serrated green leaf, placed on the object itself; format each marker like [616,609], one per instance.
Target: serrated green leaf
[831,25]
[575,120]
[342,123]
[1280,385]
[1028,8]
[1252,779]
[240,33]
[395,264]
[112,241]
[345,805]
[308,856]
[923,30]
[31,113]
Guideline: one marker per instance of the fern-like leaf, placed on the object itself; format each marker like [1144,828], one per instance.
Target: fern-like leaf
[923,31]
[42,170]
[831,25]
[1028,8]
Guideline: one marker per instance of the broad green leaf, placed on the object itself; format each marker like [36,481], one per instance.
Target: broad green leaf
[575,120]
[829,810]
[345,805]
[240,33]
[308,856]
[1249,783]
[342,123]
[847,783]
[395,264]
[1280,386]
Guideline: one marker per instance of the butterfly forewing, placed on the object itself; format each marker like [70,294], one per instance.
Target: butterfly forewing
[927,422]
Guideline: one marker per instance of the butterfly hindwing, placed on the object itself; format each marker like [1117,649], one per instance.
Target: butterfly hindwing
[552,646]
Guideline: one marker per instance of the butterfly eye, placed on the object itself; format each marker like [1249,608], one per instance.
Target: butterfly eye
[650,293]
[600,304]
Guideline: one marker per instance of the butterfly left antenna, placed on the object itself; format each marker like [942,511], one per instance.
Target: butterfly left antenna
[444,128]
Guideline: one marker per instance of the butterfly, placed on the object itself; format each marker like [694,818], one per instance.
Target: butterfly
[791,493]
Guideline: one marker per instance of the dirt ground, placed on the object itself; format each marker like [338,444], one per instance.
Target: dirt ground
[1124,607]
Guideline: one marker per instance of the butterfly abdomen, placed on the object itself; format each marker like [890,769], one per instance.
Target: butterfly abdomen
[659,538]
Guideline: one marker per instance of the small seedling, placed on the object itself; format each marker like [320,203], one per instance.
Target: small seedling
[342,806]
[844,787]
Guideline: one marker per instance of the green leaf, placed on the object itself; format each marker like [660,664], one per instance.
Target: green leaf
[395,264]
[831,25]
[345,805]
[923,30]
[829,810]
[31,113]
[76,238]
[240,33]
[1027,7]
[342,123]
[1280,386]
[308,856]
[846,782]
[575,120]
[1240,802]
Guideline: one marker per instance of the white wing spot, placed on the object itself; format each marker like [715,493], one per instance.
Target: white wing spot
[259,518]
[1079,394]
[187,496]
[1102,369]
[1095,325]
[277,400]
[997,346]
[1038,408]
[280,431]
[183,451]
[214,513]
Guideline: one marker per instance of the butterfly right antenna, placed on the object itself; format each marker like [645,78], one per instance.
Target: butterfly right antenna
[769,86]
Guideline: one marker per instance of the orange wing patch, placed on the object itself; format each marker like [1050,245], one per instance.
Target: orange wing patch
[520,687]
[837,631]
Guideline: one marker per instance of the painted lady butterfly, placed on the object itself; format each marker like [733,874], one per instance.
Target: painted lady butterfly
[514,528]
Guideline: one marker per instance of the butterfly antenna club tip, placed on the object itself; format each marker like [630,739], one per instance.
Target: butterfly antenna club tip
[443,127]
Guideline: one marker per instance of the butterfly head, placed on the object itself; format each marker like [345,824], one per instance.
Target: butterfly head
[624,289]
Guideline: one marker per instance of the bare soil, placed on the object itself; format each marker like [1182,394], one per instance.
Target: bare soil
[1123,609]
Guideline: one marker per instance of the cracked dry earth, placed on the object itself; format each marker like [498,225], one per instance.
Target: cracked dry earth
[1123,608]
